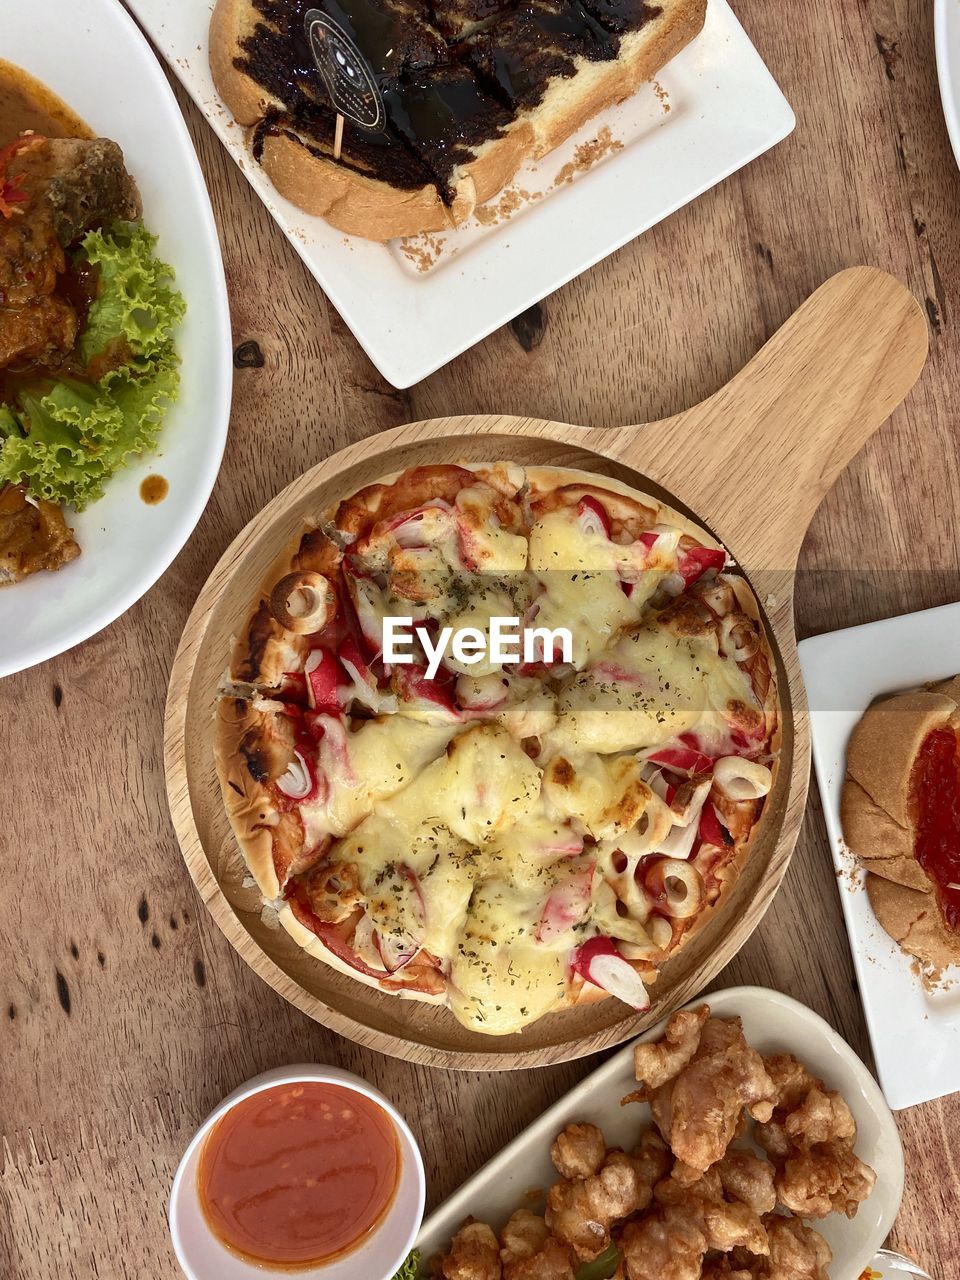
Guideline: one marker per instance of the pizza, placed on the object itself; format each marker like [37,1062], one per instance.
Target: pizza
[900,811]
[505,835]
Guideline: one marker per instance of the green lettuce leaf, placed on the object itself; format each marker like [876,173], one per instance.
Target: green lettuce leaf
[9,423]
[411,1268]
[78,435]
[135,298]
[67,441]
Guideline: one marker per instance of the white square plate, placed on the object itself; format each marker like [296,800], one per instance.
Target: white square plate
[915,1033]
[772,1023]
[725,109]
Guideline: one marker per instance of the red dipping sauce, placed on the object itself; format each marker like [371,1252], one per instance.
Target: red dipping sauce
[937,788]
[299,1174]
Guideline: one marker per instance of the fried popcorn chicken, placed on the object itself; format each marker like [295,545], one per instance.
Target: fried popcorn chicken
[723,1269]
[688,1205]
[474,1254]
[529,1252]
[810,1138]
[792,1079]
[821,1117]
[655,1064]
[580,1213]
[748,1178]
[578,1151]
[829,1178]
[665,1245]
[797,1252]
[671,1242]
[700,1108]
[725,1224]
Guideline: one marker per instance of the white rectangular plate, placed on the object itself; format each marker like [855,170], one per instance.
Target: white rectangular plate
[915,1033]
[415,306]
[772,1023]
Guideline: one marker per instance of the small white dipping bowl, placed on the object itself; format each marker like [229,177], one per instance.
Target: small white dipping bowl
[203,1257]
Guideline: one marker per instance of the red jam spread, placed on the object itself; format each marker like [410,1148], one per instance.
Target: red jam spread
[937,783]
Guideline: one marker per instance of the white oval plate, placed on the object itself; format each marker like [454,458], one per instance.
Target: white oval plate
[93,57]
[772,1023]
[947,28]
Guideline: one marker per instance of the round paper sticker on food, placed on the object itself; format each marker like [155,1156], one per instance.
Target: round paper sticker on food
[346,74]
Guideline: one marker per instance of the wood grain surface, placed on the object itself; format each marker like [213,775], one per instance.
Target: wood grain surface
[124,1013]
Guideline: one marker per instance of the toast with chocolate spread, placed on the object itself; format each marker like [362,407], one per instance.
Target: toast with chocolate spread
[468,90]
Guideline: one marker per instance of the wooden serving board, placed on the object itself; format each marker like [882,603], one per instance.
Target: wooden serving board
[751,464]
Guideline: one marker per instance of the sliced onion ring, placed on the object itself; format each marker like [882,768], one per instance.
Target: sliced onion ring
[741,779]
[297,781]
[303,602]
[739,638]
[676,886]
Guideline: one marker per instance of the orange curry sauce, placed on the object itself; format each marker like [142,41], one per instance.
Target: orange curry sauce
[937,784]
[299,1174]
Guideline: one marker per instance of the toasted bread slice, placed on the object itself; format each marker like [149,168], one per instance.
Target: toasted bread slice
[478,131]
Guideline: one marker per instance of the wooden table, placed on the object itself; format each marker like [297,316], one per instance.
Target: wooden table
[124,1014]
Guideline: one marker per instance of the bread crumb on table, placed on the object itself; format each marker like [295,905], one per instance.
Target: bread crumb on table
[587,154]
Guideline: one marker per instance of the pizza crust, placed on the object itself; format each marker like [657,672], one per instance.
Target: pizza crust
[264,650]
[250,748]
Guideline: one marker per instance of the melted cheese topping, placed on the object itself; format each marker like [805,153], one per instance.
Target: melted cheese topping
[649,687]
[382,757]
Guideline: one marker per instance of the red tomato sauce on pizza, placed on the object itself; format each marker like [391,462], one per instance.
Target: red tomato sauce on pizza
[938,819]
[299,1174]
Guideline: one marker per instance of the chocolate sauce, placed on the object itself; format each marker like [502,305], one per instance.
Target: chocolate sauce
[443,115]
[520,52]
[444,98]
[619,16]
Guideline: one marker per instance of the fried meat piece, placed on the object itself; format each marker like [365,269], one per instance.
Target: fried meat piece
[829,1178]
[748,1178]
[664,1245]
[811,1138]
[581,1213]
[82,182]
[689,1222]
[700,1108]
[821,1117]
[726,1224]
[33,535]
[656,1064]
[578,1151]
[474,1254]
[797,1252]
[529,1252]
[792,1079]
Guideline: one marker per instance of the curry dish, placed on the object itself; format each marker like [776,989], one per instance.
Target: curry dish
[53,187]
[78,287]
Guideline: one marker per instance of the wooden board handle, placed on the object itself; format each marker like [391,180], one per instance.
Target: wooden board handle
[756,458]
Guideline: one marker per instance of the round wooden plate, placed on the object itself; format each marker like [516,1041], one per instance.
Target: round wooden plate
[751,463]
